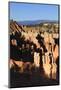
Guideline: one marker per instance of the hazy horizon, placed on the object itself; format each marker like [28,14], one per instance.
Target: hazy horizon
[32,20]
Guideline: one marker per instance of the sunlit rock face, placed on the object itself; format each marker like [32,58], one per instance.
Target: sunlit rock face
[32,37]
[50,69]
[54,70]
[56,52]
[47,69]
[36,59]
[14,42]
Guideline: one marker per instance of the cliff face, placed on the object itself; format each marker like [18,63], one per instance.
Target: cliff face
[14,26]
[44,46]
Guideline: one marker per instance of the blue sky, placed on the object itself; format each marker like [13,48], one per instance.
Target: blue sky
[28,11]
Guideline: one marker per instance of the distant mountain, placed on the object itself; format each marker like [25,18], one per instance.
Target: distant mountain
[35,22]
